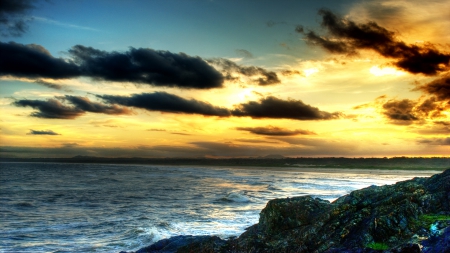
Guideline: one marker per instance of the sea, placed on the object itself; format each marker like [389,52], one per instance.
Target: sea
[60,207]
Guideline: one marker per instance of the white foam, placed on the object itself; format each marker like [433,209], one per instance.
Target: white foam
[236,197]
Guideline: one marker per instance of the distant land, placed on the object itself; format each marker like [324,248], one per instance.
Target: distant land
[422,163]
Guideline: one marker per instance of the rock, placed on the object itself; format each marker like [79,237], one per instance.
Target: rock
[179,243]
[438,244]
[392,218]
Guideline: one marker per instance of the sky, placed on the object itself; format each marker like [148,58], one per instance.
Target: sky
[224,78]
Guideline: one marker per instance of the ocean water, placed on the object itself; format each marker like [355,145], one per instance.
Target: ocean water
[51,207]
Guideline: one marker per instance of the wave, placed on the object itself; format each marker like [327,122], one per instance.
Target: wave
[236,197]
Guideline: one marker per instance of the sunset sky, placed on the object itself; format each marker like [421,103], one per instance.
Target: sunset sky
[224,78]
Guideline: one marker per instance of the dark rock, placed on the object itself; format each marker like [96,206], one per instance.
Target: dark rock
[182,243]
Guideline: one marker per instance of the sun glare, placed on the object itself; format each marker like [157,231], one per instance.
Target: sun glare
[310,71]
[383,71]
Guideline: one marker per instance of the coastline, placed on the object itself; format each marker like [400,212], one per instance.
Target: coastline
[326,164]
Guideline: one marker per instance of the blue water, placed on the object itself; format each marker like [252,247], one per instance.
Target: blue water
[50,207]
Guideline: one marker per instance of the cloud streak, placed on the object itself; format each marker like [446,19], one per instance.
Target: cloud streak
[435,141]
[275,131]
[165,102]
[42,132]
[272,107]
[49,85]
[348,37]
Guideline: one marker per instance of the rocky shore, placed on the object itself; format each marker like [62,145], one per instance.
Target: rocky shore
[409,216]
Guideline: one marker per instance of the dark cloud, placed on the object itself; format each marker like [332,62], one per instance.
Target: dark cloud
[165,102]
[176,133]
[439,88]
[244,53]
[49,85]
[299,29]
[42,132]
[142,65]
[255,141]
[400,110]
[272,107]
[50,109]
[435,141]
[291,72]
[407,110]
[263,76]
[275,131]
[347,37]
[33,61]
[85,104]
[70,107]
[55,109]
[12,19]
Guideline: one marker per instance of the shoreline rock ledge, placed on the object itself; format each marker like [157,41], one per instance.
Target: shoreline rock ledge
[409,216]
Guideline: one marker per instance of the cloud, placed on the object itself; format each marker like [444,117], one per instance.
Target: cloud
[407,111]
[70,107]
[272,107]
[42,132]
[439,88]
[400,110]
[244,53]
[435,141]
[34,61]
[291,72]
[58,23]
[347,37]
[49,85]
[12,20]
[141,65]
[165,102]
[255,141]
[275,131]
[55,109]
[50,109]
[261,76]
[85,104]
[176,133]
